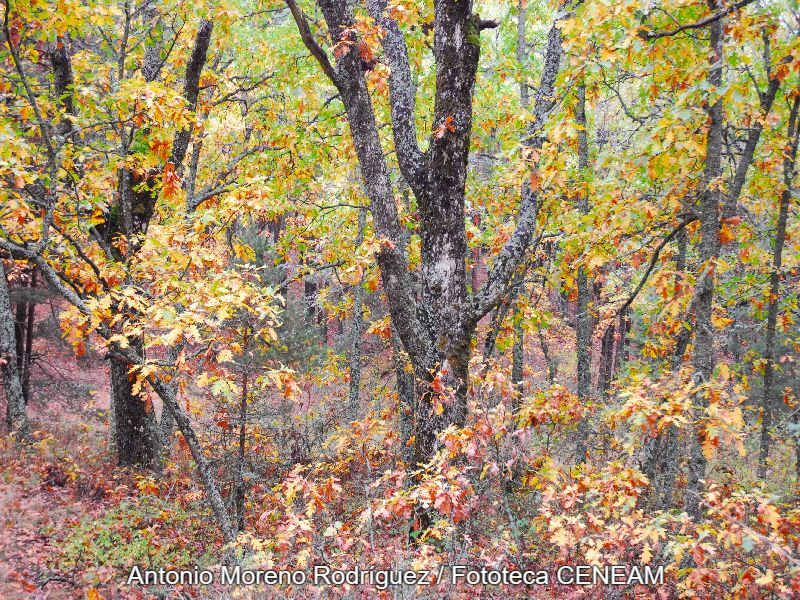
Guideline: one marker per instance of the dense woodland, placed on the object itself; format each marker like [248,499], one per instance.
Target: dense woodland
[400,284]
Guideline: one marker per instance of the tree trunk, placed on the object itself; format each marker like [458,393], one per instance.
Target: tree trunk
[518,358]
[23,331]
[708,211]
[16,415]
[607,362]
[436,320]
[548,360]
[406,398]
[768,397]
[584,320]
[137,436]
[239,488]
[358,326]
[518,350]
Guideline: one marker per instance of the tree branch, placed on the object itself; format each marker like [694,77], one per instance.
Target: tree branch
[514,251]
[715,16]
[402,98]
[164,390]
[191,89]
[653,261]
[311,44]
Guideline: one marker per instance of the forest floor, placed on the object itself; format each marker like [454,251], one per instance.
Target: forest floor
[72,523]
[28,513]
[61,480]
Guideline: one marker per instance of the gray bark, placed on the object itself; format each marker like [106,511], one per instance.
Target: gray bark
[63,80]
[191,89]
[23,330]
[766,99]
[436,327]
[708,212]
[406,398]
[16,415]
[518,350]
[137,438]
[584,320]
[769,393]
[518,358]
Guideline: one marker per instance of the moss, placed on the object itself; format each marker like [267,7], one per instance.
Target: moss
[473,34]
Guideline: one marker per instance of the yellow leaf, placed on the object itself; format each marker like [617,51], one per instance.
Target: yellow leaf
[724,371]
[766,579]
[647,554]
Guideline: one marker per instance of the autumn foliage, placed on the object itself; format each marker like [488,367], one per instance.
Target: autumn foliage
[400,285]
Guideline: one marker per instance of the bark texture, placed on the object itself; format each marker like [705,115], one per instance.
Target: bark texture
[583,322]
[136,435]
[435,321]
[708,214]
[16,415]
[769,399]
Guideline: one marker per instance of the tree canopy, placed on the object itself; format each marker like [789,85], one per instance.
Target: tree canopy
[507,284]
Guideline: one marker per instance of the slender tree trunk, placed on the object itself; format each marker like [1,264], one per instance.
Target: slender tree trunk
[358,325]
[796,423]
[607,359]
[518,350]
[23,332]
[27,357]
[522,52]
[584,320]
[406,398]
[518,358]
[239,491]
[16,415]
[708,210]
[548,360]
[768,397]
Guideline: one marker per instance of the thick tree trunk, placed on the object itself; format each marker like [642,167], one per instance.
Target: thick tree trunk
[16,415]
[768,396]
[436,323]
[136,435]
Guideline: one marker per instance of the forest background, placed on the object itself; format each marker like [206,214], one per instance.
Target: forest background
[397,284]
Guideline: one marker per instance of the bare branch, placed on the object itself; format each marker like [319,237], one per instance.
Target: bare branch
[308,39]
[715,16]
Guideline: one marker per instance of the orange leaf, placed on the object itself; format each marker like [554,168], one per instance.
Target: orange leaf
[170,181]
